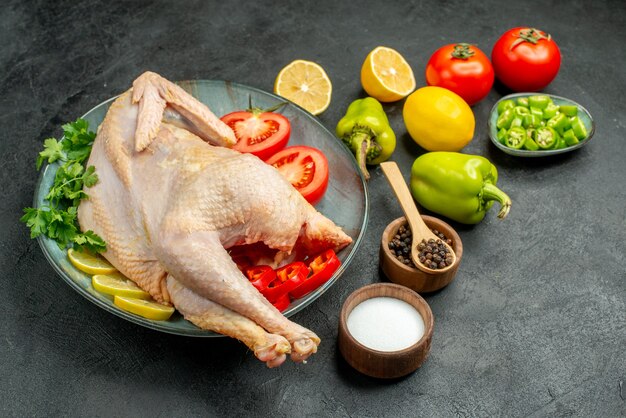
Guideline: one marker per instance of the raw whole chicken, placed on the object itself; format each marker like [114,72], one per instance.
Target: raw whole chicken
[169,205]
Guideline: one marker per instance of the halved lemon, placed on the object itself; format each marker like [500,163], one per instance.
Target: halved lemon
[89,263]
[386,76]
[306,84]
[116,284]
[145,308]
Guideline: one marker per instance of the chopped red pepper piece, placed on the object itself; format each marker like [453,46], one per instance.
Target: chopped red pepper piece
[282,303]
[321,268]
[287,279]
[260,276]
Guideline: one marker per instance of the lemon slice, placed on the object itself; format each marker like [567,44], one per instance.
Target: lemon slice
[90,263]
[306,84]
[145,308]
[386,76]
[116,284]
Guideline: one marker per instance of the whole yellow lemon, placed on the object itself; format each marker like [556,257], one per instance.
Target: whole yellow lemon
[438,119]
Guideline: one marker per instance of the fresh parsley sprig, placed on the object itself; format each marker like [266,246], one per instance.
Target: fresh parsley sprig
[58,219]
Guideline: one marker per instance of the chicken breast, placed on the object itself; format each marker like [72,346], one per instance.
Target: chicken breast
[169,205]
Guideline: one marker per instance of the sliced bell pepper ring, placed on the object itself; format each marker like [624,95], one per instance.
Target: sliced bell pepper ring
[550,111]
[559,122]
[504,105]
[287,278]
[260,276]
[570,138]
[501,136]
[517,121]
[537,112]
[505,118]
[539,102]
[516,137]
[560,143]
[546,138]
[569,110]
[531,121]
[579,128]
[321,268]
[521,111]
[282,303]
[522,101]
[530,143]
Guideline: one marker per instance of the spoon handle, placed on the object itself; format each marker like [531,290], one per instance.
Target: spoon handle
[394,176]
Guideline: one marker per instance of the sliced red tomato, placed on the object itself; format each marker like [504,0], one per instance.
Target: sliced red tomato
[260,133]
[306,168]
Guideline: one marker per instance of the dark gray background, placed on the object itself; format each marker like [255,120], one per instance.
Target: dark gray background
[535,323]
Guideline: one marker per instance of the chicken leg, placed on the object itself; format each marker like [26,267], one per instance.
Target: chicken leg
[270,348]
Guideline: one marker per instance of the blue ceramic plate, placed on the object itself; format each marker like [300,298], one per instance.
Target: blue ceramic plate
[345,201]
[583,114]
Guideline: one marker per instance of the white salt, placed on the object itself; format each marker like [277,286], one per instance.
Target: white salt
[385,324]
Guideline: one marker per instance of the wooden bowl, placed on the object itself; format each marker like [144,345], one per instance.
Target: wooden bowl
[411,277]
[385,364]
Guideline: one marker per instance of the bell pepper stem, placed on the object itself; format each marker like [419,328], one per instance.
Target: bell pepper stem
[360,140]
[491,192]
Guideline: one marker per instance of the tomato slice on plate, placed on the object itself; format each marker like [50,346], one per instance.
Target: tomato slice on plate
[257,132]
[306,168]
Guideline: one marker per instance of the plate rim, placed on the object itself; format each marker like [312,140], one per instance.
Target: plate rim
[199,332]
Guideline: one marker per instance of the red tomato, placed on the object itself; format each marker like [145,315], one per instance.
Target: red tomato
[463,69]
[526,59]
[306,169]
[260,133]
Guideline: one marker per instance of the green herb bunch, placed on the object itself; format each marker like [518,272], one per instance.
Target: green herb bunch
[57,220]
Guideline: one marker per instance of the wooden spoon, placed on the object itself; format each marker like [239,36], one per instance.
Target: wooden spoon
[418,228]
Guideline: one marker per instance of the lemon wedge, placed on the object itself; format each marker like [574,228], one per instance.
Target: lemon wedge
[116,284]
[89,263]
[306,84]
[147,309]
[386,76]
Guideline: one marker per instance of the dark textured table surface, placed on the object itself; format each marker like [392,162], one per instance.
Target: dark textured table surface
[534,324]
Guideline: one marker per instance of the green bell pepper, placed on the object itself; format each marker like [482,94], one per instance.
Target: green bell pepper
[366,131]
[459,186]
